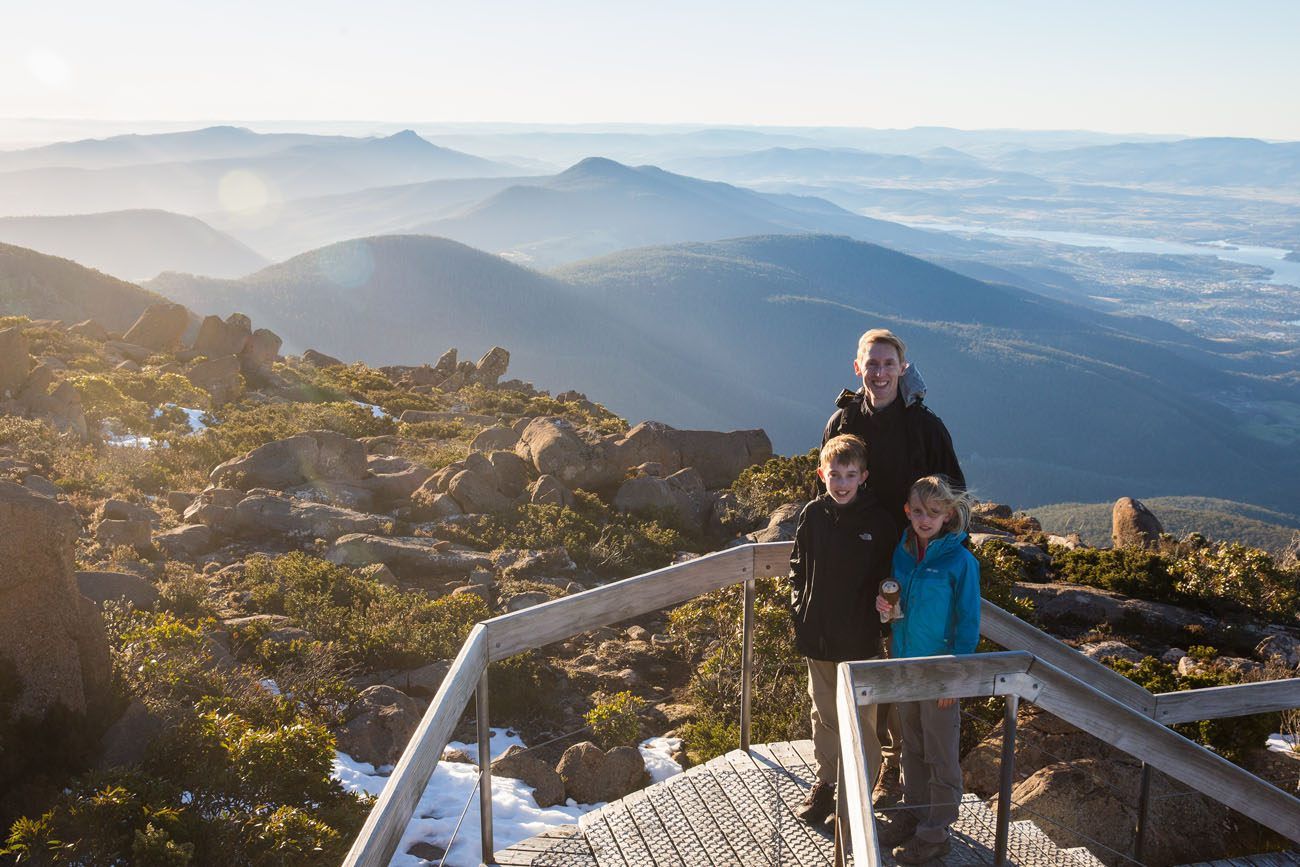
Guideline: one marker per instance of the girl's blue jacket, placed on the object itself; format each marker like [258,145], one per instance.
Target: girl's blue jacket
[940,597]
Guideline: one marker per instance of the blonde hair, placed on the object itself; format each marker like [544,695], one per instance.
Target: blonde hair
[937,490]
[881,335]
[843,449]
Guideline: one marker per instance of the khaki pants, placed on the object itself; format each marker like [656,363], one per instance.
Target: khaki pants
[931,766]
[825,724]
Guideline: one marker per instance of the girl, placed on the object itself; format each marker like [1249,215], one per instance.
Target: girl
[939,591]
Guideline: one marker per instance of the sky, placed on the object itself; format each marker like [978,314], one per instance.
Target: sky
[1157,66]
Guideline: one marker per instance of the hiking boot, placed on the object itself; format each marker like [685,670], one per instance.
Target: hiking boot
[819,804]
[889,786]
[895,829]
[918,851]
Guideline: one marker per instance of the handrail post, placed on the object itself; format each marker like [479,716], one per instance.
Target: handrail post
[1144,802]
[486,841]
[1008,778]
[747,665]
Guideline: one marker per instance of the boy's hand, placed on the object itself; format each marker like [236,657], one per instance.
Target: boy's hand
[883,606]
[946,703]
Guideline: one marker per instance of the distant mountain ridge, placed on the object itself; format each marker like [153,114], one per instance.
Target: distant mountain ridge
[1046,401]
[47,287]
[136,245]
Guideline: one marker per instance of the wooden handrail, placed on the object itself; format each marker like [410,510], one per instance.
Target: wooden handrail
[854,795]
[1216,702]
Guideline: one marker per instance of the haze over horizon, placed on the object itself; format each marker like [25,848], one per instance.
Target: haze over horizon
[1195,69]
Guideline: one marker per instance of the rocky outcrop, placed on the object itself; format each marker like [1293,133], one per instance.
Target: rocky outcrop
[307,457]
[556,448]
[1133,525]
[101,587]
[34,391]
[320,359]
[218,376]
[52,635]
[412,557]
[260,350]
[491,367]
[159,327]
[217,337]
[681,496]
[186,542]
[15,361]
[550,490]
[592,776]
[267,513]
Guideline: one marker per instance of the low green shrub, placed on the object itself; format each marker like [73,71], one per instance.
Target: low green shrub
[1234,573]
[760,489]
[615,720]
[1129,571]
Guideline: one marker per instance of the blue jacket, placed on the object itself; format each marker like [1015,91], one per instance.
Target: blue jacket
[940,598]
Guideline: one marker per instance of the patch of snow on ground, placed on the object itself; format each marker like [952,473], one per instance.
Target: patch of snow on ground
[658,755]
[132,441]
[453,786]
[376,411]
[1280,743]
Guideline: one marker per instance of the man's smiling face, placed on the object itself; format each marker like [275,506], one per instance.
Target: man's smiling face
[880,370]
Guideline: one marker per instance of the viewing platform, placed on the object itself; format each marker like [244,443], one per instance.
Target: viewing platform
[738,810]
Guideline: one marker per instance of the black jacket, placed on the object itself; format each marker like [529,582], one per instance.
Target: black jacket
[923,439]
[840,557]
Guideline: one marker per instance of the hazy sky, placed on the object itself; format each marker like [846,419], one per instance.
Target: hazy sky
[1203,68]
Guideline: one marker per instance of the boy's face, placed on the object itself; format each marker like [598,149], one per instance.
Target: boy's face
[880,370]
[842,480]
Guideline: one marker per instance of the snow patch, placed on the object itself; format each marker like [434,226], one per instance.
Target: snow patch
[1280,743]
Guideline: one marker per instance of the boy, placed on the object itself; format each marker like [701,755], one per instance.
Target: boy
[842,552]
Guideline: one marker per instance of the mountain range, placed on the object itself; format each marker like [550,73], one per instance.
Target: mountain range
[47,287]
[1047,401]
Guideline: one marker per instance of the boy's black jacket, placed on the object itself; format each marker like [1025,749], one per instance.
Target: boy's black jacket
[840,557]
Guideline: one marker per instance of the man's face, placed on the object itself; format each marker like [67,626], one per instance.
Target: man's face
[880,371]
[842,480]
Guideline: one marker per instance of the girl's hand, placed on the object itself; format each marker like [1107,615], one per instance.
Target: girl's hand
[946,703]
[883,606]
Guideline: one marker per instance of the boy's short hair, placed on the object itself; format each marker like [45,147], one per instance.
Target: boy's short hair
[843,449]
[881,335]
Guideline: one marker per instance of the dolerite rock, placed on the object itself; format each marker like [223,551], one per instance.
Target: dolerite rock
[518,764]
[159,327]
[122,510]
[718,456]
[310,456]
[320,359]
[1103,650]
[1132,525]
[592,776]
[215,508]
[61,408]
[346,495]
[131,351]
[476,492]
[781,525]
[1281,649]
[15,361]
[394,478]
[430,505]
[382,720]
[422,681]
[512,472]
[492,366]
[446,364]
[415,558]
[101,587]
[217,338]
[51,635]
[218,376]
[682,495]
[185,542]
[494,437]
[131,534]
[126,742]
[554,447]
[269,513]
[550,490]
[261,349]
[90,329]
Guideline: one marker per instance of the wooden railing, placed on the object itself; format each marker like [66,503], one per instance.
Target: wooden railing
[509,634]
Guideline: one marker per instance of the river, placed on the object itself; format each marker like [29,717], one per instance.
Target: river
[1273,258]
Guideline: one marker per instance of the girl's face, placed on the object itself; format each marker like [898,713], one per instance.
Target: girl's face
[927,518]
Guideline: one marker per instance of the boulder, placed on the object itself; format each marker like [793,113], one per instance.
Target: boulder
[1104,650]
[268,513]
[550,490]
[422,681]
[518,764]
[130,351]
[554,447]
[718,456]
[476,492]
[185,542]
[495,437]
[1281,649]
[217,337]
[413,416]
[491,367]
[346,495]
[218,376]
[527,599]
[101,587]
[781,525]
[381,721]
[159,327]
[429,505]
[446,364]
[1074,604]
[681,496]
[133,534]
[310,456]
[214,508]
[415,558]
[121,510]
[592,776]
[90,329]
[126,742]
[15,361]
[260,350]
[394,478]
[511,472]
[529,563]
[320,359]
[61,408]
[41,485]
[439,481]
[1132,525]
[51,635]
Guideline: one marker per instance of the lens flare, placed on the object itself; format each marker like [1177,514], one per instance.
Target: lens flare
[48,68]
[242,192]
